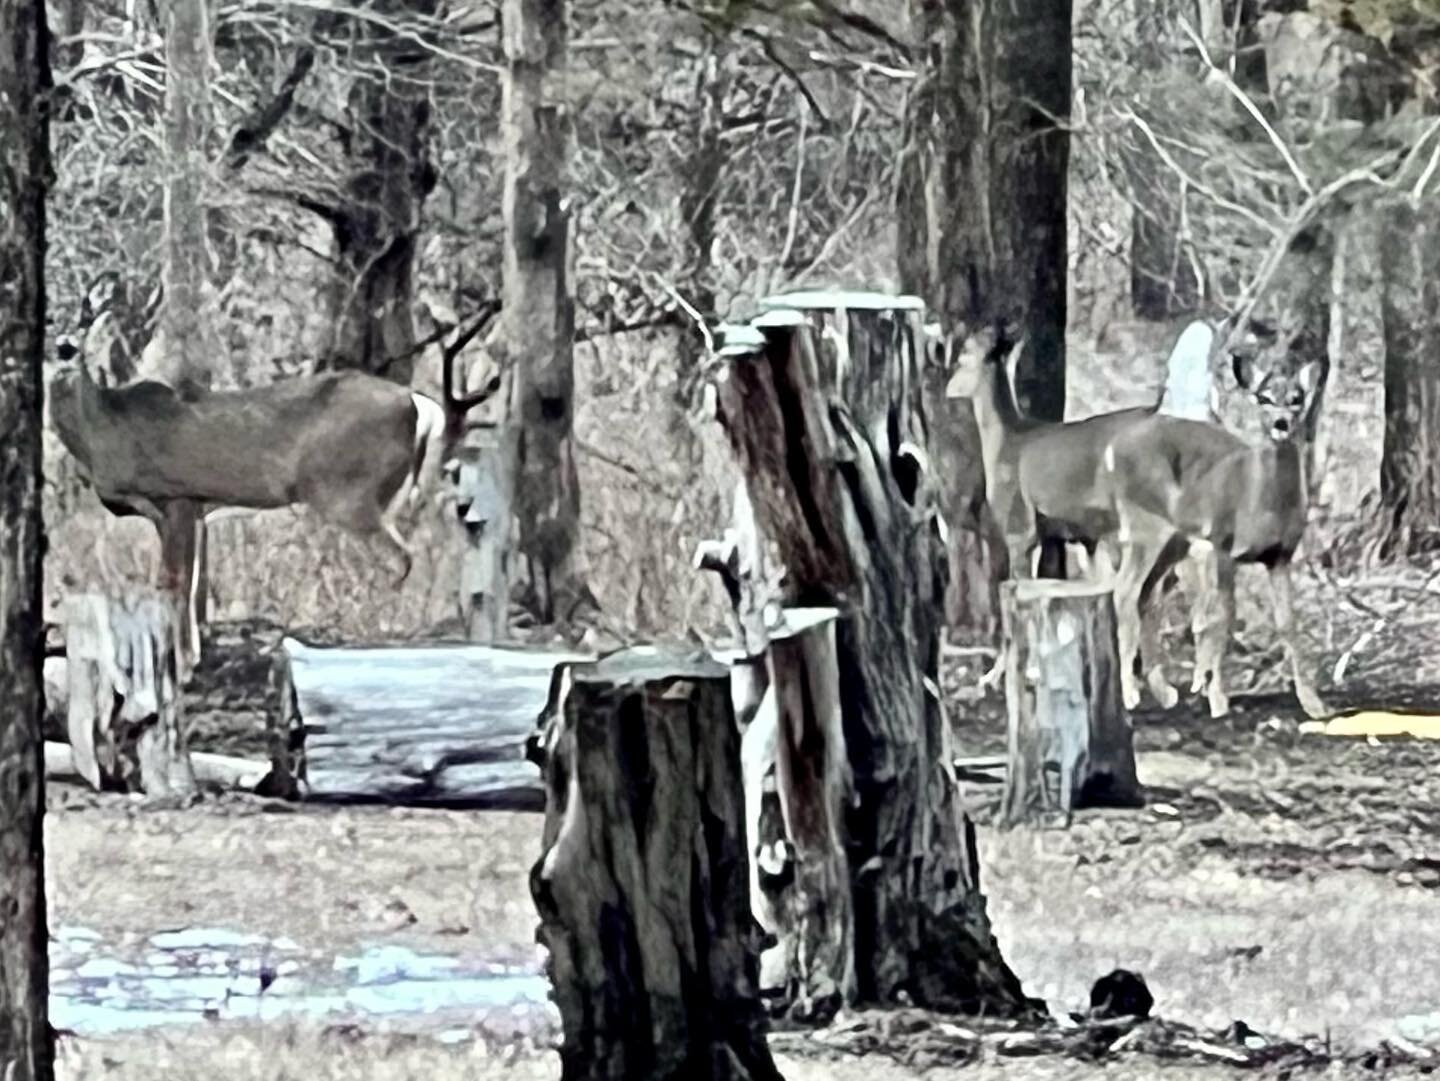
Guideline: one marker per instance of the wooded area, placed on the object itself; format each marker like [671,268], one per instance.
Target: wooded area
[466,324]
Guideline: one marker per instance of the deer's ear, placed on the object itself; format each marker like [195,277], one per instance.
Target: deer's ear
[1309,376]
[1244,369]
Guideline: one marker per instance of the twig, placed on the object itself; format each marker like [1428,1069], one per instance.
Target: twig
[1249,106]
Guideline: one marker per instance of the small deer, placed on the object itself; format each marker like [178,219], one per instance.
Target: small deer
[1181,486]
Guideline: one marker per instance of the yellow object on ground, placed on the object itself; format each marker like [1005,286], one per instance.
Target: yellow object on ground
[1373,722]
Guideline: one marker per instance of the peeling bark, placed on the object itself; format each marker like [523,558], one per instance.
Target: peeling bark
[26,1048]
[822,401]
[1071,743]
[642,886]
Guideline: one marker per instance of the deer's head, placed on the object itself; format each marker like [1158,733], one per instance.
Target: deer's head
[1283,379]
[986,353]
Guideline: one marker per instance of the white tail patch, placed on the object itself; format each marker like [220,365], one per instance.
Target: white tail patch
[1188,385]
[429,440]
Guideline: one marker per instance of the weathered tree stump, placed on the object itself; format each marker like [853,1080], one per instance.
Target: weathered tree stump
[437,725]
[642,886]
[123,712]
[1070,738]
[821,398]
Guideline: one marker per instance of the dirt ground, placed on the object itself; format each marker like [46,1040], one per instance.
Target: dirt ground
[1282,879]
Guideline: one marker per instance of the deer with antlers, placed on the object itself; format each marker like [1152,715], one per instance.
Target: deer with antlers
[354,448]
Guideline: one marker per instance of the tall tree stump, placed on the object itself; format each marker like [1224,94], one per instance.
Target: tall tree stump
[821,398]
[642,888]
[123,713]
[1070,740]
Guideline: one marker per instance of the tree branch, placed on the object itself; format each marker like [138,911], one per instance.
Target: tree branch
[256,128]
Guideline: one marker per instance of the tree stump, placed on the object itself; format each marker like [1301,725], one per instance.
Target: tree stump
[641,888]
[483,506]
[1070,738]
[123,711]
[821,398]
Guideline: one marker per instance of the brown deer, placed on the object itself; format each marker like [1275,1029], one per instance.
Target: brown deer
[1181,487]
[354,448]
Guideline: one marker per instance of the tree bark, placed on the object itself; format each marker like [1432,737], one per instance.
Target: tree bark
[982,233]
[26,1048]
[123,710]
[188,340]
[642,887]
[537,324]
[823,405]
[377,224]
[1062,689]
[1410,305]
[983,212]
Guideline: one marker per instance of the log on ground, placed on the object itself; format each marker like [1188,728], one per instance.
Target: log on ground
[1070,739]
[642,887]
[431,725]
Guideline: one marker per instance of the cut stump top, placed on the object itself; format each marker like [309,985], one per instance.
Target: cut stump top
[1032,589]
[643,664]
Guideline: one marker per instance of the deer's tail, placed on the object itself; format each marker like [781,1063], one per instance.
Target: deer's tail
[429,444]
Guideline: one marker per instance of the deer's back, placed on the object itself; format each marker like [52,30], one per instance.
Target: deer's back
[1061,472]
[261,446]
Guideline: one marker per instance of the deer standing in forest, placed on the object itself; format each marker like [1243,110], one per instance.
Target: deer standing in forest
[1181,487]
[354,448]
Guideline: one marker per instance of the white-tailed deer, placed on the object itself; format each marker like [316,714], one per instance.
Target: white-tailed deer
[1043,479]
[1180,487]
[352,447]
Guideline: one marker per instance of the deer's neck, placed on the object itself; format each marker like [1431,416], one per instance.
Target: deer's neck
[996,414]
[73,412]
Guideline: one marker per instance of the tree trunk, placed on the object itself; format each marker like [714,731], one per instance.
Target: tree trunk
[26,1049]
[983,213]
[823,405]
[642,885]
[699,196]
[483,503]
[982,230]
[189,341]
[1062,688]
[123,709]
[187,344]
[377,224]
[537,325]
[1409,464]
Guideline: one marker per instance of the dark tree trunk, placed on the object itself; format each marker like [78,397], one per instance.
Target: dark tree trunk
[537,325]
[26,1050]
[823,404]
[642,888]
[377,226]
[1409,464]
[982,214]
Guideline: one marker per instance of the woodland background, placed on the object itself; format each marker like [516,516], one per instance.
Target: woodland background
[353,161]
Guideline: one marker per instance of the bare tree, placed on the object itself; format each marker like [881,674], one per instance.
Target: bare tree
[26,1050]
[537,323]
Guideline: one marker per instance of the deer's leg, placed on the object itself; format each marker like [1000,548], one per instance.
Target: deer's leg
[1213,640]
[1166,554]
[1136,559]
[1020,548]
[1195,577]
[1283,593]
[391,534]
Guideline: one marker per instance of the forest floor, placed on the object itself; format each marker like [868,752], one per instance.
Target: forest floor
[1287,880]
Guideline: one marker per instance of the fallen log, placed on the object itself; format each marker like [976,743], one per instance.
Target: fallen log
[211,770]
[641,887]
[1070,739]
[427,725]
